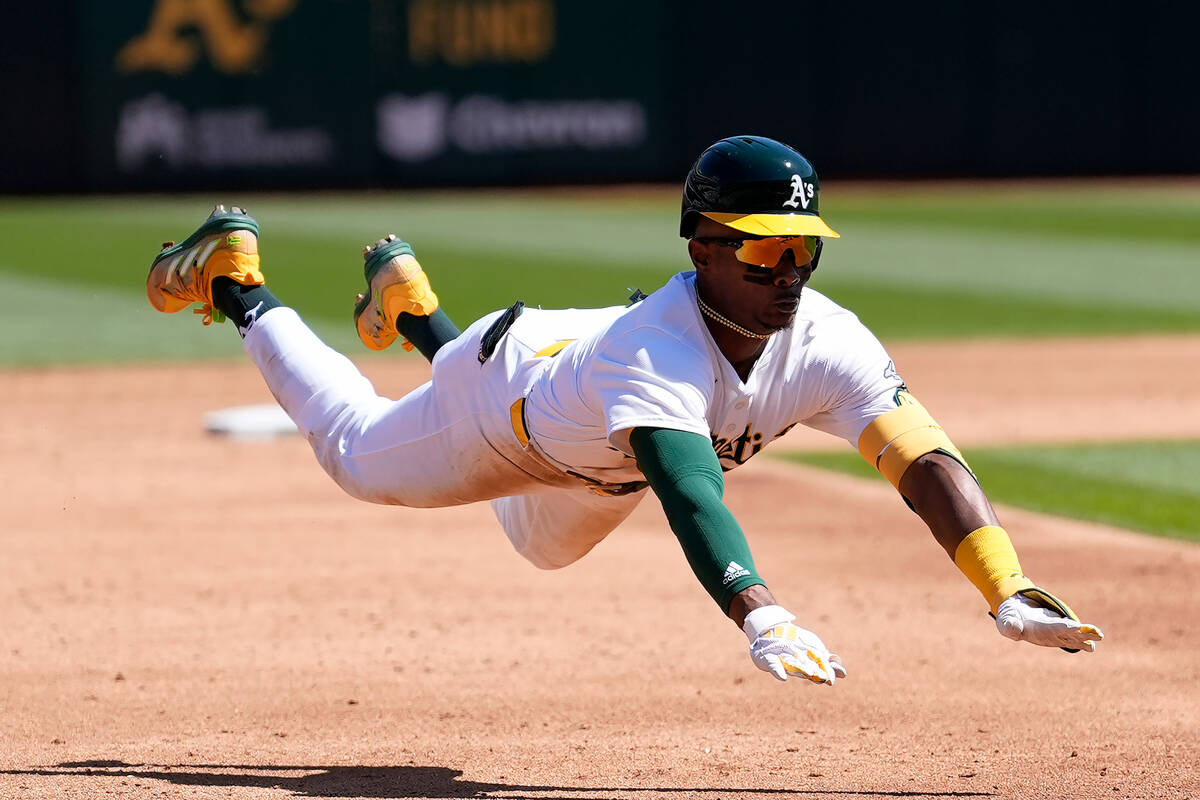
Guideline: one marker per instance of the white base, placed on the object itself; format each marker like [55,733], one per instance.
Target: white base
[264,421]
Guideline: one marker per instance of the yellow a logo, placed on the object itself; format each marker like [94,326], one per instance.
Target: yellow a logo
[171,41]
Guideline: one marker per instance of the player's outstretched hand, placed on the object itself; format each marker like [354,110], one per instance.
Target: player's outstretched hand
[1038,617]
[786,650]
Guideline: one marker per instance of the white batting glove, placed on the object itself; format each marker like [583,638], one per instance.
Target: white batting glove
[1038,617]
[785,650]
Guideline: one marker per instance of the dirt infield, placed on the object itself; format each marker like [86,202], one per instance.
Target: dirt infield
[1052,390]
[187,616]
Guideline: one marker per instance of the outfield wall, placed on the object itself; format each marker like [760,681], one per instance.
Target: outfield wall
[352,93]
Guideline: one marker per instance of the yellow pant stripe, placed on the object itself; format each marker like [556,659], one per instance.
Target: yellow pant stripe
[553,349]
[517,413]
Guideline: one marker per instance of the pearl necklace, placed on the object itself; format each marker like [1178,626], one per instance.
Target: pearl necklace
[708,312]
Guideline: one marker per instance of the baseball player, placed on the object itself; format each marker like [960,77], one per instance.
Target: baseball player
[566,419]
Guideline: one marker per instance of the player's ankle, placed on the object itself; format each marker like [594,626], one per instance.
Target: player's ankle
[244,305]
[427,333]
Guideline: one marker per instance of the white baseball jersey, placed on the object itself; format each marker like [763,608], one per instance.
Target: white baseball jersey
[656,365]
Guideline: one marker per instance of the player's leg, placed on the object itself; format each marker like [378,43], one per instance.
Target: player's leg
[556,527]
[430,448]
[426,449]
[400,302]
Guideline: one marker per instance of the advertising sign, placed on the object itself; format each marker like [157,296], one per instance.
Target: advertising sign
[523,90]
[288,92]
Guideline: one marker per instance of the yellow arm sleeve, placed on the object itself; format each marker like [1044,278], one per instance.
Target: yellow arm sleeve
[986,556]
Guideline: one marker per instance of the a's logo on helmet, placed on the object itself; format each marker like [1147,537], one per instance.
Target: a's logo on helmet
[801,192]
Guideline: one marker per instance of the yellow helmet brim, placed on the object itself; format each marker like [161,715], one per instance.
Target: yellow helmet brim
[775,224]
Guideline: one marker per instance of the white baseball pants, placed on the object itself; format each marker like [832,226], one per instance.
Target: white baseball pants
[448,442]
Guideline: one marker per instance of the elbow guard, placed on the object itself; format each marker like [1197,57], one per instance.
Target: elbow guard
[893,441]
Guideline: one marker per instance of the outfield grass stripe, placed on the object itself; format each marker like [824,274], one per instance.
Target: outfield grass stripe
[47,322]
[951,263]
[534,230]
[594,233]
[906,312]
[1169,465]
[1123,504]
[1144,486]
[1149,212]
[1122,274]
[933,250]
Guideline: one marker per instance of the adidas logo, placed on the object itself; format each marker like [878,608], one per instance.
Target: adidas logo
[733,572]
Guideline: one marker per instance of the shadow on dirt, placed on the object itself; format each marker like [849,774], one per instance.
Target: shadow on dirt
[401,782]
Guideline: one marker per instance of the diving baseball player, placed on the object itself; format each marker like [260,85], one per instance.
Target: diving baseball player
[566,420]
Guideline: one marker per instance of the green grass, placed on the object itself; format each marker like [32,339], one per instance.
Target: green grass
[1143,486]
[921,261]
[1147,212]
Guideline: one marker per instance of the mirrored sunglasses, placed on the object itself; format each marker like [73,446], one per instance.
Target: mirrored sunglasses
[767,252]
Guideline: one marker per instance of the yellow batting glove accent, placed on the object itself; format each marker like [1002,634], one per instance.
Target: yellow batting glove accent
[784,650]
[792,667]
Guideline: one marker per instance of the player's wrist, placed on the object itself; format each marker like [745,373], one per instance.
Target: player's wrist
[763,619]
[986,556]
[747,600]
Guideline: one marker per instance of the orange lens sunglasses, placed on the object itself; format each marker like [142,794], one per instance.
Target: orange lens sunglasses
[768,251]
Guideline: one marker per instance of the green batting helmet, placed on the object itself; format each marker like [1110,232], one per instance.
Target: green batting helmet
[755,185]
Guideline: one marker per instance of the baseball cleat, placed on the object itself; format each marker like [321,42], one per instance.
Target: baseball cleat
[226,245]
[396,285]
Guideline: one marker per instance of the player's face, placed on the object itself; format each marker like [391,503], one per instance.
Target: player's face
[761,298]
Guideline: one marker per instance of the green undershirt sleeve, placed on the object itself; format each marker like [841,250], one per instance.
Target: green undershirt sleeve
[685,474]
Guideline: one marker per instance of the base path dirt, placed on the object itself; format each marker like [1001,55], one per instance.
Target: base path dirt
[1051,390]
[188,616]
